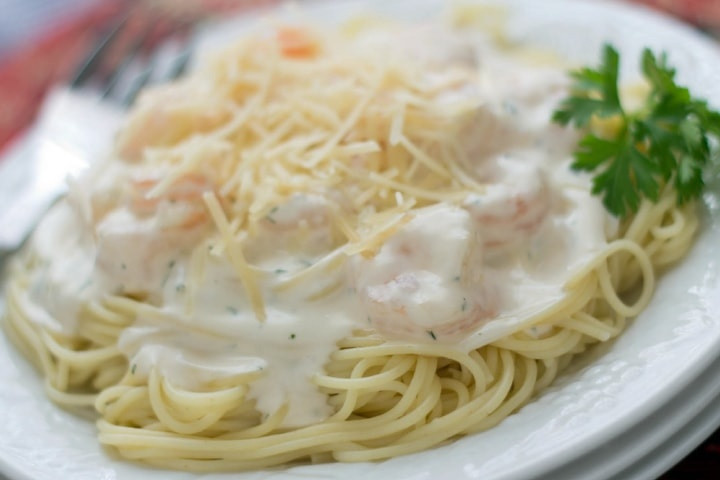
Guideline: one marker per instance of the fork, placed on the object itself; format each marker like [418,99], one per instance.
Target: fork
[77,122]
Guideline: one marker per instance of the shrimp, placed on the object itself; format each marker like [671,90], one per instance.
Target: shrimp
[301,225]
[447,50]
[297,42]
[486,134]
[137,240]
[426,282]
[163,116]
[513,111]
[299,211]
[181,206]
[514,205]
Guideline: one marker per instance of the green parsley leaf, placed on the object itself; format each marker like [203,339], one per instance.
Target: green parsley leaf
[668,140]
[595,92]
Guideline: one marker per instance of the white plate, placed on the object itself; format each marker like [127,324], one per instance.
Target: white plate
[658,357]
[658,441]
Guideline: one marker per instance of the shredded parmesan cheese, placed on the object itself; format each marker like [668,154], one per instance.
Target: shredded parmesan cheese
[366,133]
[237,258]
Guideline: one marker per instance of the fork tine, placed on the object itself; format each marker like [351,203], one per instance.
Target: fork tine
[137,84]
[128,56]
[159,69]
[94,59]
[115,65]
[177,68]
[181,61]
[180,64]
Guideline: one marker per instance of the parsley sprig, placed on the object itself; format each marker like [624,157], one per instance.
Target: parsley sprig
[668,140]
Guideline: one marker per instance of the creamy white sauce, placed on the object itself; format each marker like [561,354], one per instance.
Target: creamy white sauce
[450,275]
[62,280]
[224,339]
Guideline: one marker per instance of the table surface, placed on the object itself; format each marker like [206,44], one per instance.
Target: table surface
[42,40]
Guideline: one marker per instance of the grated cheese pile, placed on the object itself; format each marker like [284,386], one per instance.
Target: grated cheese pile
[377,133]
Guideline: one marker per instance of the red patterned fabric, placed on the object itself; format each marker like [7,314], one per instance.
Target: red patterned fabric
[30,70]
[26,74]
[705,13]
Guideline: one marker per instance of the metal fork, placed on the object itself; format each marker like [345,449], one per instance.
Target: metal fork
[77,122]
[127,75]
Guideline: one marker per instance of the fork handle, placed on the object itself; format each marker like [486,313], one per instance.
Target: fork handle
[74,130]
